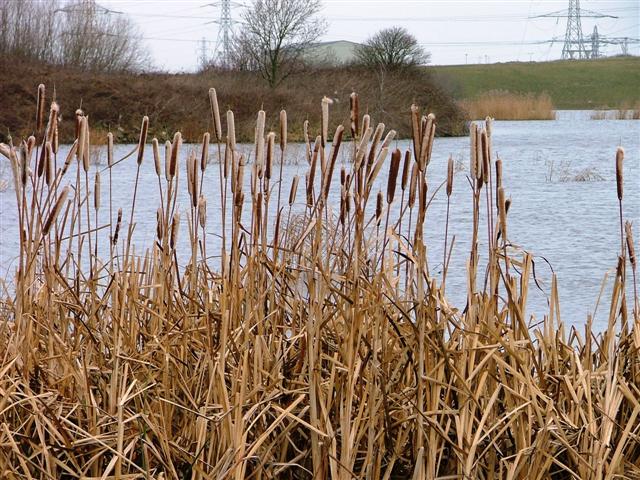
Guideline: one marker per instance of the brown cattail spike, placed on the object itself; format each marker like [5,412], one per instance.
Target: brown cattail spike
[215,110]
[335,148]
[630,245]
[354,105]
[175,147]
[116,232]
[502,208]
[231,130]
[56,210]
[283,130]
[415,131]
[449,176]
[394,168]
[159,224]
[109,149]
[40,108]
[156,156]
[620,172]
[202,211]
[144,129]
[271,138]
[96,192]
[294,190]
[204,158]
[49,167]
[406,169]
[378,207]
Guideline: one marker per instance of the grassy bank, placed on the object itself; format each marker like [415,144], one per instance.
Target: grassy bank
[325,345]
[590,84]
[177,102]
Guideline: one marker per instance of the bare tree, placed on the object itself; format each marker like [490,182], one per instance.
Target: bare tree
[78,33]
[392,48]
[275,35]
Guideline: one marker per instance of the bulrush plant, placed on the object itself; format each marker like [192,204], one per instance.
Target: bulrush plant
[323,346]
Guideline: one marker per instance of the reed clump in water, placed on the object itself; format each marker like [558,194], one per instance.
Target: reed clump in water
[321,348]
[503,105]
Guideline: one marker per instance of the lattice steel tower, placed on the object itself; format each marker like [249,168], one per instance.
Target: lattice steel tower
[225,32]
[573,41]
[574,44]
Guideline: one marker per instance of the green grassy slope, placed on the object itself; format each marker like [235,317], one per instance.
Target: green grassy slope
[602,83]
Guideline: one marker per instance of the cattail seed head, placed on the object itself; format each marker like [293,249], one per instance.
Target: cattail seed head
[502,208]
[96,192]
[294,190]
[49,167]
[144,129]
[343,176]
[620,172]
[377,135]
[175,226]
[40,108]
[109,149]
[116,231]
[42,161]
[449,176]
[283,130]
[231,130]
[485,156]
[215,110]
[416,131]
[307,141]
[62,198]
[378,207]
[156,156]
[406,168]
[24,163]
[413,185]
[354,105]
[31,143]
[52,125]
[335,148]
[159,224]
[325,119]
[204,158]
[167,160]
[79,114]
[202,211]
[271,138]
[630,244]
[55,141]
[70,155]
[175,147]
[393,175]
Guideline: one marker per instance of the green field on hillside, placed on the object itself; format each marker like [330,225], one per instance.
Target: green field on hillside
[602,83]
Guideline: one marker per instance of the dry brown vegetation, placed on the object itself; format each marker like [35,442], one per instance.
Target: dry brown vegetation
[503,105]
[174,102]
[324,347]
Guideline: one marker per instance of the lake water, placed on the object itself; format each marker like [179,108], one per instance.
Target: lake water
[568,225]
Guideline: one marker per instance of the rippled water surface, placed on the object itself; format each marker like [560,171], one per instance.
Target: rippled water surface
[570,226]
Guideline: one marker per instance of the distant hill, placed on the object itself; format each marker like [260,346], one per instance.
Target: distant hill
[335,53]
[572,84]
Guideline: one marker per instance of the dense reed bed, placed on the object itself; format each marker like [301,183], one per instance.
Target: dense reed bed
[323,347]
[503,105]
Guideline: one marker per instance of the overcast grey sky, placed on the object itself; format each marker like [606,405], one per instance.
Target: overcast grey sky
[453,31]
